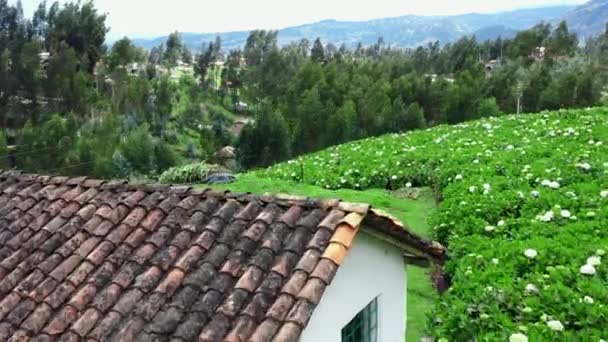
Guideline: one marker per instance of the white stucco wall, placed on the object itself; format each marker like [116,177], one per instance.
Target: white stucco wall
[372,268]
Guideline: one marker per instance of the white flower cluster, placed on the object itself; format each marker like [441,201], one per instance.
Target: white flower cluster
[546,217]
[486,188]
[518,337]
[555,325]
[584,166]
[589,267]
[550,184]
[530,253]
[531,289]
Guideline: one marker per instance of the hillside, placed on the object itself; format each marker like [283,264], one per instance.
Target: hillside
[524,212]
[588,19]
[404,31]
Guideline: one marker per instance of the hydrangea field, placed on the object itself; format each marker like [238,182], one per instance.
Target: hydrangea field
[524,213]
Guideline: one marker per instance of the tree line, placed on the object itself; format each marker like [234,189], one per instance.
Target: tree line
[317,96]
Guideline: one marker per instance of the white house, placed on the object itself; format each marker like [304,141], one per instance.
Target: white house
[376,305]
[86,259]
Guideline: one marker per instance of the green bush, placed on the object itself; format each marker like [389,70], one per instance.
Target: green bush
[188,174]
[121,166]
[146,154]
[164,156]
[138,148]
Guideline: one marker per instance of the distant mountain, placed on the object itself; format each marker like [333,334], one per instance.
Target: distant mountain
[588,19]
[404,31]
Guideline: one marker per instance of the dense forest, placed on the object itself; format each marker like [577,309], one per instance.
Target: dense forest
[71,104]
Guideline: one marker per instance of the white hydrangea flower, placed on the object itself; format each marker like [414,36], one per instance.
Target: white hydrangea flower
[600,252]
[394,178]
[555,325]
[587,270]
[518,337]
[546,217]
[495,261]
[565,214]
[584,166]
[588,300]
[530,253]
[472,189]
[458,177]
[594,260]
[408,185]
[545,182]
[500,223]
[554,185]
[490,229]
[535,194]
[604,194]
[527,309]
[510,147]
[531,288]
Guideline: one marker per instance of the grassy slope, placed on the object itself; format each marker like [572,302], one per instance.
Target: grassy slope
[413,213]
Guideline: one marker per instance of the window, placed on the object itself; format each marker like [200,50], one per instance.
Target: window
[364,327]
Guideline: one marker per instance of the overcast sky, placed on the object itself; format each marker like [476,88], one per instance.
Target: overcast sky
[151,18]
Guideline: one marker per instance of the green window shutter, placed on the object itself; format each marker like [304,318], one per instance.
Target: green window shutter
[364,327]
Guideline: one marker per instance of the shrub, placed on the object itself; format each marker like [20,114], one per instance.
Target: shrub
[120,166]
[188,174]
[138,148]
[488,107]
[164,156]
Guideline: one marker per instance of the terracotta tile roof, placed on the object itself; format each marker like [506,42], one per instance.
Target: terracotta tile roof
[84,259]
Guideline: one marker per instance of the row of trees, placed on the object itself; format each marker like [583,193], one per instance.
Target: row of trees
[322,96]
